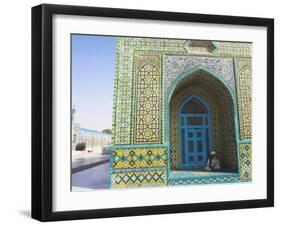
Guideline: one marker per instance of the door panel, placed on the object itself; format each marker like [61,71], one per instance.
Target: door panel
[193,140]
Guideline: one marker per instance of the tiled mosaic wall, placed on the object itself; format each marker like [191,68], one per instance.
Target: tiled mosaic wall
[139,113]
[138,167]
[148,111]
[139,158]
[244,95]
[147,70]
[139,179]
[132,54]
[222,120]
[245,155]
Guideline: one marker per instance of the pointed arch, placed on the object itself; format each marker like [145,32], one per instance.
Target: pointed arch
[202,109]
[195,131]
[202,83]
[190,72]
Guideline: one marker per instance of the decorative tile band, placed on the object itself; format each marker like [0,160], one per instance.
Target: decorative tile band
[210,180]
[221,67]
[139,158]
[138,169]
[140,146]
[122,93]
[245,154]
[139,179]
[244,96]
[245,105]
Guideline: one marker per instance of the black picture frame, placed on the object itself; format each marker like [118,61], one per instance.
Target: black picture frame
[42,107]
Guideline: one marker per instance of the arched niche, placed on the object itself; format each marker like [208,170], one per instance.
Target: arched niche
[222,122]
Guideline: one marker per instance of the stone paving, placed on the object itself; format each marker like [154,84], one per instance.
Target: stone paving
[93,178]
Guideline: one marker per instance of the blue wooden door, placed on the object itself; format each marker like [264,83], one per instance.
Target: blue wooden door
[194,136]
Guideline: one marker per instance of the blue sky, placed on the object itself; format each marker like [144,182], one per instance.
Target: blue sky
[93,62]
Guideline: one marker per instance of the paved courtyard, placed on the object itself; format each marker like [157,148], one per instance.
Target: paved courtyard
[93,178]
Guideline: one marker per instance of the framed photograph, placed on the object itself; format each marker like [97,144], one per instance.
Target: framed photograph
[146,112]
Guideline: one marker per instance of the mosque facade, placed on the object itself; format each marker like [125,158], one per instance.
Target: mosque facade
[175,103]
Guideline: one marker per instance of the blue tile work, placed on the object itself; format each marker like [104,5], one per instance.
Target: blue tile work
[147,71]
[197,177]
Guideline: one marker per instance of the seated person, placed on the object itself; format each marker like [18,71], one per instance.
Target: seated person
[213,162]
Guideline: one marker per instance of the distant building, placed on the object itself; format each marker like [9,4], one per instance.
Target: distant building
[98,142]
[95,141]
[75,131]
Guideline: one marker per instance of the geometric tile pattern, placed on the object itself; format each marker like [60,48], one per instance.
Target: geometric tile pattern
[222,119]
[124,97]
[122,94]
[139,110]
[124,74]
[139,158]
[148,105]
[245,102]
[222,67]
[244,96]
[140,179]
[245,162]
[203,180]
[139,166]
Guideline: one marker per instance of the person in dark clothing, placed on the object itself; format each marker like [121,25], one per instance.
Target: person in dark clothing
[213,162]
